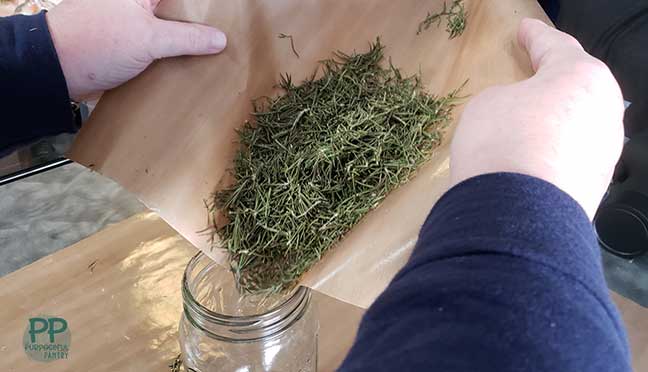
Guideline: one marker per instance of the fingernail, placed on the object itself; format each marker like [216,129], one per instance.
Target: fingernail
[218,41]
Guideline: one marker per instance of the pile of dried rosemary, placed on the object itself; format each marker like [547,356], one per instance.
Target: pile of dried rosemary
[318,158]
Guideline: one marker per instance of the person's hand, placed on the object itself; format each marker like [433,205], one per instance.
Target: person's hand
[104,43]
[564,125]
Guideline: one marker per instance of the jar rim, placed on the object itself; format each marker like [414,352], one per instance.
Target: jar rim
[247,328]
[297,296]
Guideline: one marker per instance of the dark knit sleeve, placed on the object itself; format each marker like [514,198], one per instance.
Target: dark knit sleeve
[34,99]
[506,276]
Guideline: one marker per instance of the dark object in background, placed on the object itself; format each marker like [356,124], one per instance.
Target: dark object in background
[41,155]
[615,31]
[622,220]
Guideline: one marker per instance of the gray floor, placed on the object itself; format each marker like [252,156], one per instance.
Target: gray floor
[628,278]
[50,211]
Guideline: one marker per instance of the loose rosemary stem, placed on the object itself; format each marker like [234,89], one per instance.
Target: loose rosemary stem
[292,42]
[456,16]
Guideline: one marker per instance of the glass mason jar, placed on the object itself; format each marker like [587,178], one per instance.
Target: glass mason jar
[221,330]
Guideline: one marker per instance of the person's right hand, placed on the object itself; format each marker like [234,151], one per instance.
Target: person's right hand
[564,125]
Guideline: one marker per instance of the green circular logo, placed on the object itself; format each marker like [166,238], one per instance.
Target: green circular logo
[47,338]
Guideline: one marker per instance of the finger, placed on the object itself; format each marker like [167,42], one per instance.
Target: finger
[154,3]
[546,45]
[179,38]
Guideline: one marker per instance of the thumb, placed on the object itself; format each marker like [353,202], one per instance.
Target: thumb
[172,39]
[547,47]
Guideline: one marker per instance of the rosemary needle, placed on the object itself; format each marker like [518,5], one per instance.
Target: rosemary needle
[292,42]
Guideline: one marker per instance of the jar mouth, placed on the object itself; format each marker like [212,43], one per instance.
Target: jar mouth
[267,323]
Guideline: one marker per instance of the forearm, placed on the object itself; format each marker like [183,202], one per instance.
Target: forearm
[34,96]
[506,277]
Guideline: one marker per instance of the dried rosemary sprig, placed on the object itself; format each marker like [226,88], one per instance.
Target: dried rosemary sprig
[176,364]
[318,158]
[455,15]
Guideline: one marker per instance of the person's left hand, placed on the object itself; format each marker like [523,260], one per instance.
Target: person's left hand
[104,43]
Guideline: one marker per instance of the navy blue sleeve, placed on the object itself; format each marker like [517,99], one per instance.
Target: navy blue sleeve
[506,276]
[34,99]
